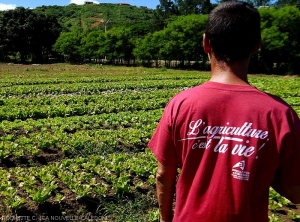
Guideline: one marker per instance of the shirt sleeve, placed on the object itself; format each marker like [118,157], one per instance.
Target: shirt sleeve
[162,143]
[289,169]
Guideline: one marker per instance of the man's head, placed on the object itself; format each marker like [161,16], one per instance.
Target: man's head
[233,31]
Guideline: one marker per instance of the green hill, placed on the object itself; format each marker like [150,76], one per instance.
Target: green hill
[94,16]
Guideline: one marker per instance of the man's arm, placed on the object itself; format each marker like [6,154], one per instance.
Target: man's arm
[165,188]
[287,177]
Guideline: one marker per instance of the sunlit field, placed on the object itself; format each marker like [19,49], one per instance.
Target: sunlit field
[74,139]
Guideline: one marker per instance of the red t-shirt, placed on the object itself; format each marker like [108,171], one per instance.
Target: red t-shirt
[229,141]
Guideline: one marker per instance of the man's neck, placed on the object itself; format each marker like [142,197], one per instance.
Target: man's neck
[234,73]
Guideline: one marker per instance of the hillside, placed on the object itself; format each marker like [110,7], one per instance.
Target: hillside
[94,16]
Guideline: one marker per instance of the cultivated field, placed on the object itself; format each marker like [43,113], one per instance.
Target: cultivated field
[74,140]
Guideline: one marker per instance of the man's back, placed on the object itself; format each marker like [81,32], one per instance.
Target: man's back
[227,141]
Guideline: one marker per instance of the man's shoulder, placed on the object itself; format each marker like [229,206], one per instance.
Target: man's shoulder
[187,93]
[276,101]
[184,96]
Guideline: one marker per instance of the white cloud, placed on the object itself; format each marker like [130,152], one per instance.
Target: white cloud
[6,6]
[81,2]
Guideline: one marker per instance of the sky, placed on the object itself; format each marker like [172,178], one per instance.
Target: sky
[11,4]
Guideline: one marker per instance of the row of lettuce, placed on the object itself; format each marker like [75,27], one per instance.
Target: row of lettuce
[84,177]
[78,135]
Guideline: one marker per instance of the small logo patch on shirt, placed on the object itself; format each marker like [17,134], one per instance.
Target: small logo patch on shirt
[240,165]
[240,174]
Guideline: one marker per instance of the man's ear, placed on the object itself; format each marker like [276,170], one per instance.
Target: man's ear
[206,44]
[256,47]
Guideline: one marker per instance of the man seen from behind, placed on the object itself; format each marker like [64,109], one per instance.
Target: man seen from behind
[230,141]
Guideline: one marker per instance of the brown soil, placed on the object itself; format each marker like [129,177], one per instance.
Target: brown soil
[283,213]
[45,157]
[98,21]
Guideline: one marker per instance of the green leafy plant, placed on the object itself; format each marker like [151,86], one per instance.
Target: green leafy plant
[41,195]
[294,216]
[274,218]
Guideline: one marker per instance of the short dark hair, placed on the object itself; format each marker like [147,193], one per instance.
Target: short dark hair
[233,29]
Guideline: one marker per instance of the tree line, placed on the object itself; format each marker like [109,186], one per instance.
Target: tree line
[171,36]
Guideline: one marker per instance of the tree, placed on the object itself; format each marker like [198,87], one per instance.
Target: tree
[282,3]
[90,44]
[164,11]
[27,34]
[187,7]
[14,28]
[68,45]
[184,38]
[147,49]
[281,38]
[44,31]
[259,3]
[255,3]
[119,44]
